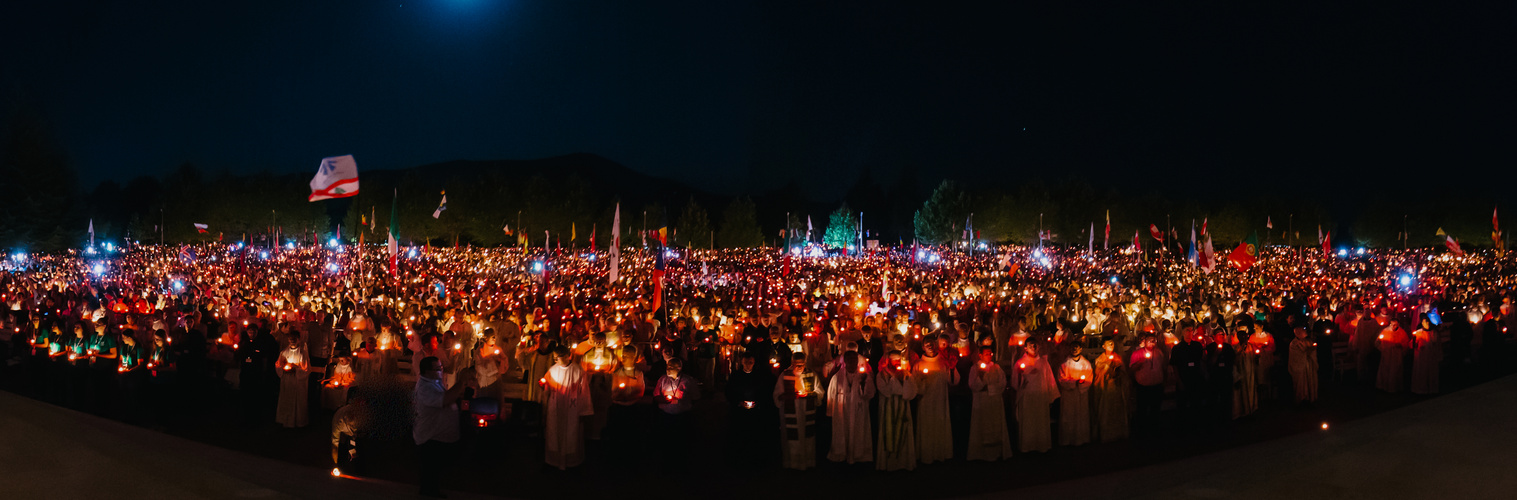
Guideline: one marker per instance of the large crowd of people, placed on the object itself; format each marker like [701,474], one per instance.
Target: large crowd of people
[899,357]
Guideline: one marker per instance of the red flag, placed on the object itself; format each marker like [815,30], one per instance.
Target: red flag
[1495,225]
[592,237]
[1453,246]
[1203,226]
[1154,231]
[1246,253]
[1327,244]
[1136,246]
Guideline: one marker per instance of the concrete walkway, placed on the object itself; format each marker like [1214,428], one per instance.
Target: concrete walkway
[51,452]
[1461,445]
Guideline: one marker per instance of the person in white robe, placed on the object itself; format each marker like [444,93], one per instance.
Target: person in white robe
[935,374]
[568,391]
[1036,390]
[896,448]
[1075,377]
[848,395]
[294,368]
[988,436]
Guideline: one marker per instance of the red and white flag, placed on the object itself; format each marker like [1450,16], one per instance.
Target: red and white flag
[201,228]
[1453,246]
[336,178]
[1327,243]
[1203,226]
[1207,258]
[1154,231]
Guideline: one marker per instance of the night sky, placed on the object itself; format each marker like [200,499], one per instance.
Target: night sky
[734,96]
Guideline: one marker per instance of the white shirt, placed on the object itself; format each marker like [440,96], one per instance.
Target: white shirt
[436,420]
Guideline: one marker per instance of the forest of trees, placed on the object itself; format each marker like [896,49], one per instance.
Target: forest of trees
[43,208]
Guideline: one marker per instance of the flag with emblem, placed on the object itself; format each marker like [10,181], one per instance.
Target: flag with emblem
[337,177]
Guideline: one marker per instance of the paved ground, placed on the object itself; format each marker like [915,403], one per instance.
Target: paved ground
[1379,446]
[1456,446]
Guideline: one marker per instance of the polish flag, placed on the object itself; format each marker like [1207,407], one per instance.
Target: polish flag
[1154,231]
[201,228]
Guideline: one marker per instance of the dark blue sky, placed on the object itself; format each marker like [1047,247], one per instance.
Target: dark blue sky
[729,95]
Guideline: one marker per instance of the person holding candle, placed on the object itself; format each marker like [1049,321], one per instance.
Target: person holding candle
[1245,369]
[625,417]
[568,389]
[1075,376]
[848,395]
[294,368]
[675,394]
[1110,383]
[1427,354]
[598,361]
[1393,343]
[1148,366]
[340,378]
[796,395]
[988,438]
[1302,362]
[751,416]
[1036,390]
[896,446]
[935,375]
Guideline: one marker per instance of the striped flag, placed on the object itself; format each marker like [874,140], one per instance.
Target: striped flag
[337,177]
[200,228]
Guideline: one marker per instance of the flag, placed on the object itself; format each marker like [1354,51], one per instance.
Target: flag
[1440,232]
[1136,246]
[92,232]
[1453,246]
[808,228]
[394,235]
[1106,240]
[663,229]
[592,237]
[658,278]
[507,229]
[1206,259]
[201,228]
[373,219]
[1495,224]
[1203,226]
[1090,246]
[1246,253]
[616,243]
[1153,230]
[573,233]
[1192,254]
[441,205]
[1319,233]
[337,177]
[186,254]
[1327,244]
[1267,223]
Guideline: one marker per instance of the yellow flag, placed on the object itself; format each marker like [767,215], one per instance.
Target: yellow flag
[572,235]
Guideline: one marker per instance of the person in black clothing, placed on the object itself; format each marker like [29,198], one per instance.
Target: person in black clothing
[870,346]
[255,355]
[1219,372]
[1186,357]
[751,407]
